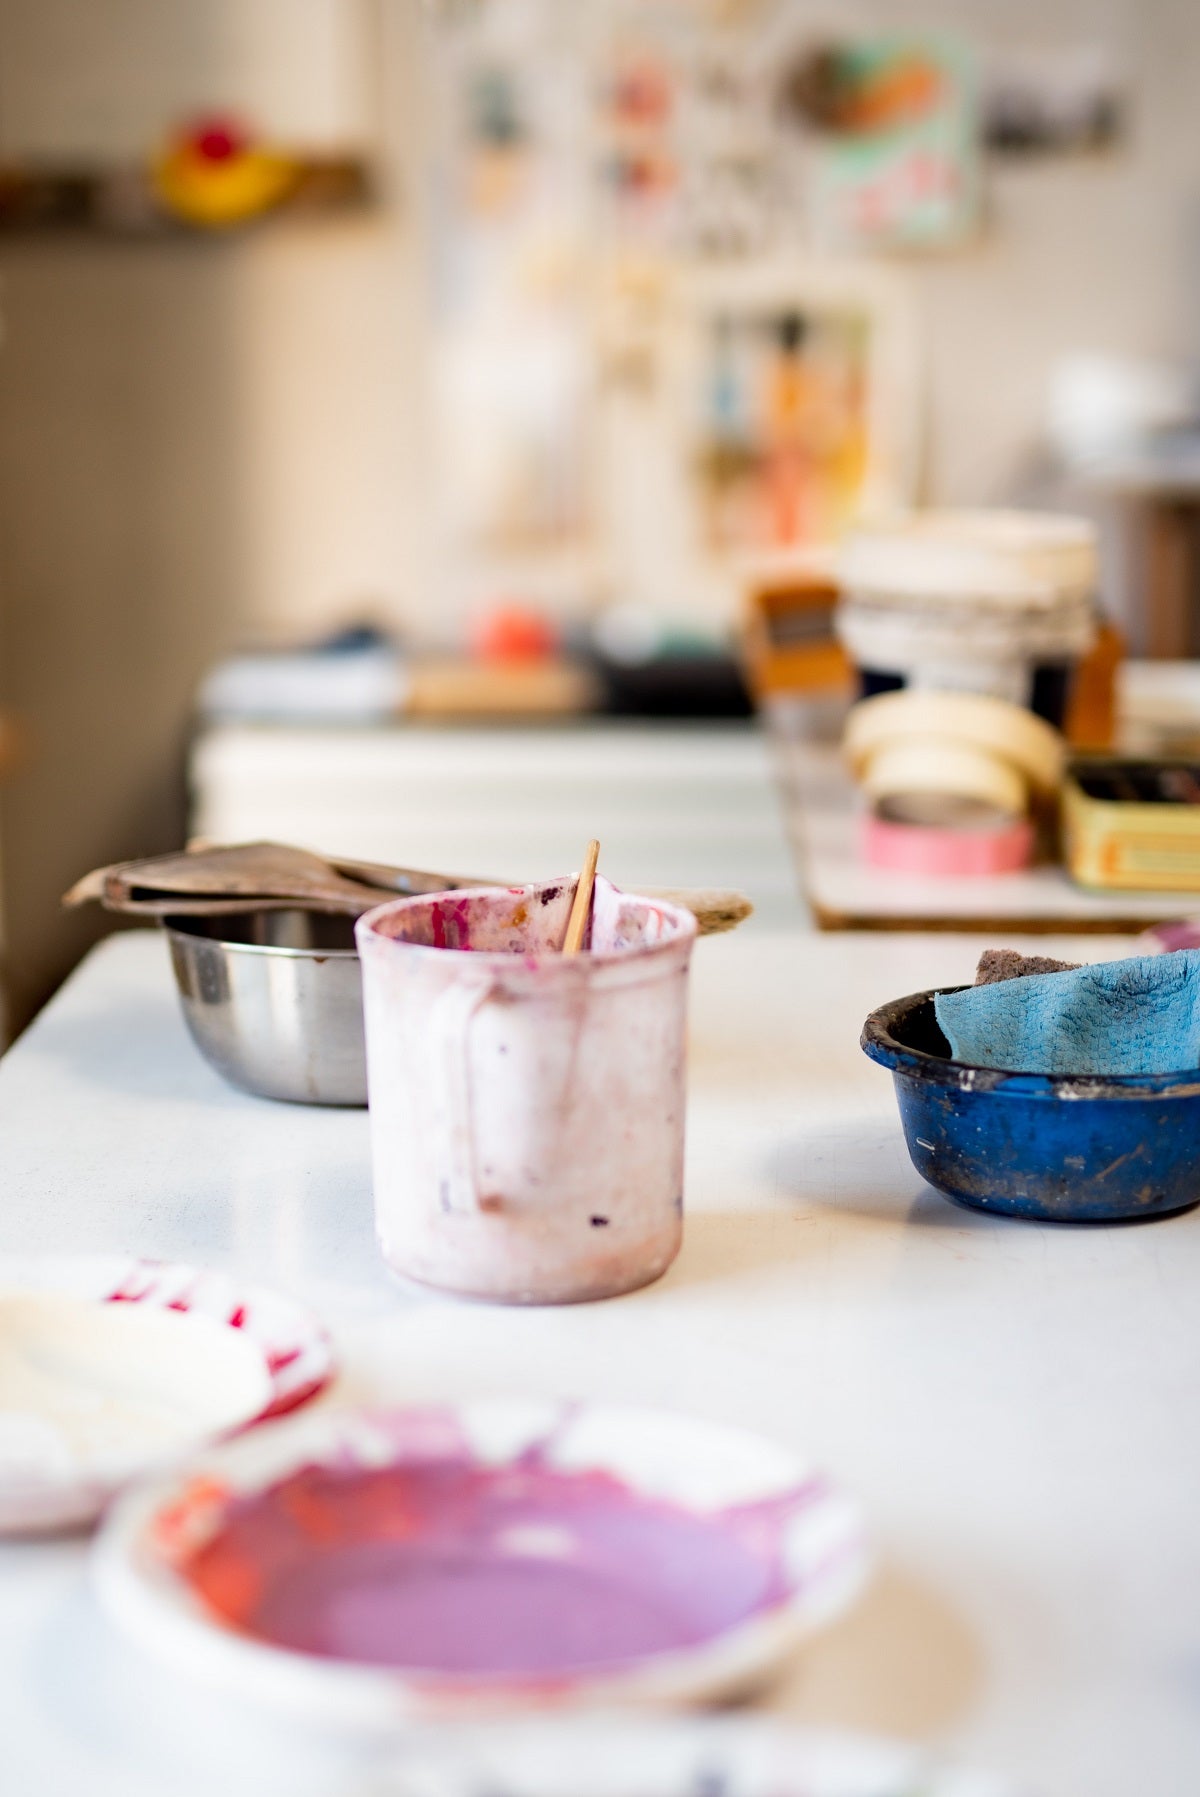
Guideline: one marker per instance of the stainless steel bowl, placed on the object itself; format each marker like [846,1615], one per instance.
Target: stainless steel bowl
[273,1000]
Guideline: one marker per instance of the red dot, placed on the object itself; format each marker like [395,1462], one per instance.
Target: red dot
[218,141]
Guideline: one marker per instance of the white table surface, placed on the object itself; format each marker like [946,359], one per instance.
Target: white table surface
[1014,1404]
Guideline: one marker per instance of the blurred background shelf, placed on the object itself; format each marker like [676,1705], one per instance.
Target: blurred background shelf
[120,203]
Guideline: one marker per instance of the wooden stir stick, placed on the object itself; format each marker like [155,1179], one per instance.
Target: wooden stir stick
[582,906]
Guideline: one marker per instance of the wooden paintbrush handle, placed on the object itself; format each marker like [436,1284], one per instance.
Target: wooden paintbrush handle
[581,908]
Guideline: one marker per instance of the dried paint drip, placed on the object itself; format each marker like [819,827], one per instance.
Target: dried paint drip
[452,1567]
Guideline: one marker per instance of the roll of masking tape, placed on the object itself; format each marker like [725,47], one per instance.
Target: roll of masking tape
[940,780]
[943,724]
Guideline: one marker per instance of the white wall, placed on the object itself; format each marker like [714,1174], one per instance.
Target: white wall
[107,78]
[326,382]
[1093,253]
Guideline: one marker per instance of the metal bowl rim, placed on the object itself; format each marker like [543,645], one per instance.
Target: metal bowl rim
[177,927]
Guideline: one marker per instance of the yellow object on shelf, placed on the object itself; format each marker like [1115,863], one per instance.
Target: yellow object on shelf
[214,174]
[1007,731]
[912,774]
[1133,825]
[932,757]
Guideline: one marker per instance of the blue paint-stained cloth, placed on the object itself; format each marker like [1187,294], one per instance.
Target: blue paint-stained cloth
[1138,1016]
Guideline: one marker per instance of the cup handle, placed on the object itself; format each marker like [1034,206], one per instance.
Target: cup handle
[454,1119]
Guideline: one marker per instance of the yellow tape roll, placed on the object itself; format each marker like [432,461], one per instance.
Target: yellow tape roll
[933,780]
[1005,733]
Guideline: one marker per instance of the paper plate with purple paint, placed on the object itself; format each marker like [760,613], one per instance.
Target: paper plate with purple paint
[111,1367]
[679,1756]
[372,1566]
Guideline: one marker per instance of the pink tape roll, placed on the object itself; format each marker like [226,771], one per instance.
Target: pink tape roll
[933,851]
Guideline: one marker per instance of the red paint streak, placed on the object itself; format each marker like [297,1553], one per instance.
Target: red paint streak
[182,1524]
[235,1588]
[450,923]
[292,1400]
[123,1295]
[220,139]
[139,1284]
[534,1692]
[277,1362]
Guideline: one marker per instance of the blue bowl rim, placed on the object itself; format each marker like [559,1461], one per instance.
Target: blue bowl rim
[880,1042]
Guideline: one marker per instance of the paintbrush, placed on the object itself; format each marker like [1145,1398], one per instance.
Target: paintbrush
[581,905]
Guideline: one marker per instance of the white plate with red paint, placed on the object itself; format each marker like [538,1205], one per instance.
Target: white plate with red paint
[369,1567]
[112,1367]
[682,1756]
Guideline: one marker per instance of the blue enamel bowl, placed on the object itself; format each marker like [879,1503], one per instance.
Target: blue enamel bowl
[1064,1148]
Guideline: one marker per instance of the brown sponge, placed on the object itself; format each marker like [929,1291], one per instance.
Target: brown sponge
[997,964]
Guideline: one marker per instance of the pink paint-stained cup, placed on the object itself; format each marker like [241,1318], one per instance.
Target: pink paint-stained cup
[527,1108]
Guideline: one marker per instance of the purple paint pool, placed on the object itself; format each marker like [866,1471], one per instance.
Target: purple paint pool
[451,1567]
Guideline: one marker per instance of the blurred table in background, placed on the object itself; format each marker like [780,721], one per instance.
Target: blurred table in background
[672,805]
[772,813]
